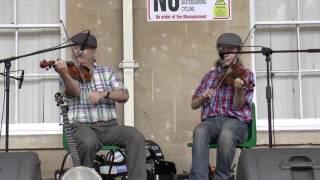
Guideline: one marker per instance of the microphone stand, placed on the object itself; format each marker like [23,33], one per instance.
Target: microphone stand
[6,74]
[267,53]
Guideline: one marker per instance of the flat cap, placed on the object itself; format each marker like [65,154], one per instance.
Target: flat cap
[80,38]
[229,40]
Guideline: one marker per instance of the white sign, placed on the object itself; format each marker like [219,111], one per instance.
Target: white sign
[189,10]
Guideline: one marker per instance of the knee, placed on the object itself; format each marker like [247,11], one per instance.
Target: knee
[89,143]
[135,135]
[227,139]
[199,132]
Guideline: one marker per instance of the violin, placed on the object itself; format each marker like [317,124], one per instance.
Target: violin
[238,71]
[79,73]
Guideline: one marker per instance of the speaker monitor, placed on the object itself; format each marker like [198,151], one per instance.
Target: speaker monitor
[279,164]
[19,165]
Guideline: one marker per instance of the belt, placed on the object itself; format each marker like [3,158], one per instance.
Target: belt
[97,122]
[108,123]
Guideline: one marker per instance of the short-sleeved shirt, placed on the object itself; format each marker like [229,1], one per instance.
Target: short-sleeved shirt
[222,103]
[82,110]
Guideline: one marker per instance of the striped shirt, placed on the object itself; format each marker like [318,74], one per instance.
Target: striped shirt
[84,111]
[222,103]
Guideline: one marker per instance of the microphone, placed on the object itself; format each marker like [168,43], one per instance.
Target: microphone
[21,79]
[84,43]
[313,50]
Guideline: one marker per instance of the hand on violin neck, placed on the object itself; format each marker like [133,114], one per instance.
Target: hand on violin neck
[60,67]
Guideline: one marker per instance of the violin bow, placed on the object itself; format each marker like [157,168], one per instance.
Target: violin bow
[72,50]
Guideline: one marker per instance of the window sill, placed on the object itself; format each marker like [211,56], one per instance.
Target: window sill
[290,124]
[32,129]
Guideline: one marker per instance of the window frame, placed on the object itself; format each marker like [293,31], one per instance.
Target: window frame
[289,123]
[34,128]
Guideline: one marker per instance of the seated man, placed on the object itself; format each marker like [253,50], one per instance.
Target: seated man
[92,110]
[225,112]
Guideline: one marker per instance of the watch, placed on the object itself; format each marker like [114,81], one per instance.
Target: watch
[108,93]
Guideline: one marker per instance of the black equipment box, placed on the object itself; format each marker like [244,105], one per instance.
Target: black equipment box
[279,164]
[19,166]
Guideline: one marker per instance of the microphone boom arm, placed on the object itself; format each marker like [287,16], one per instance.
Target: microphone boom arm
[7,65]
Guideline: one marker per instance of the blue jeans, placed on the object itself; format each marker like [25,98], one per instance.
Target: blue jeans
[227,133]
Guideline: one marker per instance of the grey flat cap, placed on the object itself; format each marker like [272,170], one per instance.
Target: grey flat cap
[80,37]
[229,40]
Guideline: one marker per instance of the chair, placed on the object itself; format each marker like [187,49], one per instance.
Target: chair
[252,136]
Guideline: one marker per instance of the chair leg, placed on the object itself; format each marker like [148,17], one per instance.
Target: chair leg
[211,172]
[62,165]
[234,165]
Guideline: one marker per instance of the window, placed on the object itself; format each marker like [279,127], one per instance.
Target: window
[288,25]
[25,27]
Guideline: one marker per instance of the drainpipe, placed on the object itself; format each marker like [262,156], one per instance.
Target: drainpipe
[128,63]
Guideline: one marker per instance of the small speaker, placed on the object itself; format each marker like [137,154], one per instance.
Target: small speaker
[19,165]
[279,164]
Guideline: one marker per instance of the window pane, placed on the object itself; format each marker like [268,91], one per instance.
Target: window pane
[38,11]
[276,10]
[310,39]
[6,12]
[36,100]
[7,47]
[311,95]
[310,10]
[51,112]
[286,96]
[31,40]
[277,38]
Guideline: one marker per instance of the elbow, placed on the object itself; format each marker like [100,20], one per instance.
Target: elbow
[194,106]
[124,98]
[73,93]
[77,93]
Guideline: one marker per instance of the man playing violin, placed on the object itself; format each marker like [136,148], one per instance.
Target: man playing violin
[92,110]
[225,112]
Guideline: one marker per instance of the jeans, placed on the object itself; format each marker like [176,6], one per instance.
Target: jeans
[227,133]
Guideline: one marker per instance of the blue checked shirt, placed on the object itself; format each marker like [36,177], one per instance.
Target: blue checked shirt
[84,111]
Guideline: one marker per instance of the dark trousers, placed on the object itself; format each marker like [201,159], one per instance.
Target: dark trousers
[90,139]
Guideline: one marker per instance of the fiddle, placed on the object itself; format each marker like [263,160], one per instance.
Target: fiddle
[79,73]
[238,71]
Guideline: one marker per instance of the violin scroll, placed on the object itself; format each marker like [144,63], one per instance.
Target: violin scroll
[47,64]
